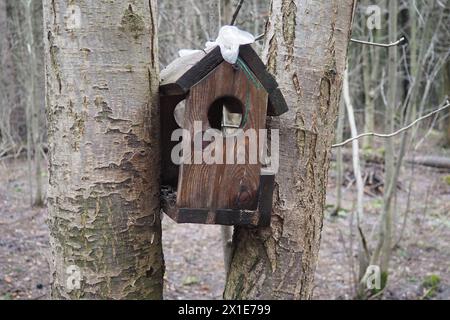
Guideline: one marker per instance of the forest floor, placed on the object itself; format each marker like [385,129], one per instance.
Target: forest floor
[193,253]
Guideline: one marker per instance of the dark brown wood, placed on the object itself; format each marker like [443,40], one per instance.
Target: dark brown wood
[221,185]
[253,61]
[185,72]
[265,200]
[277,103]
[169,170]
[226,194]
[257,218]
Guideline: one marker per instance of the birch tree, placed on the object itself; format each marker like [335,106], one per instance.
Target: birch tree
[103,197]
[305,48]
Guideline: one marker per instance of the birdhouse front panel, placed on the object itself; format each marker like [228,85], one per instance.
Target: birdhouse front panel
[200,92]
[230,100]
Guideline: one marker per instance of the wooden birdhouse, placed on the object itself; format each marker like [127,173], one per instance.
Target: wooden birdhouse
[201,92]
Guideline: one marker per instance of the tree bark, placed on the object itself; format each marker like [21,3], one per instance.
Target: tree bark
[446,93]
[9,134]
[306,49]
[103,127]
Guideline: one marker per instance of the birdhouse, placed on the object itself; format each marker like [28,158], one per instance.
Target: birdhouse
[211,111]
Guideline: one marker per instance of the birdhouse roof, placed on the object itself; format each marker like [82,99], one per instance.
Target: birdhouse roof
[183,73]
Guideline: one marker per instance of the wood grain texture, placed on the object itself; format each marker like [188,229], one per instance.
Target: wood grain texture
[277,103]
[229,217]
[221,186]
[185,72]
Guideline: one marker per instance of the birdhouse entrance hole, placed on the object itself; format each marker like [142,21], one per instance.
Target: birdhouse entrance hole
[226,115]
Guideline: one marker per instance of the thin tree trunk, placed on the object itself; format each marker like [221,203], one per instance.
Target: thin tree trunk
[33,141]
[306,49]
[227,11]
[389,156]
[369,109]
[382,252]
[363,259]
[446,93]
[213,19]
[339,158]
[10,135]
[103,125]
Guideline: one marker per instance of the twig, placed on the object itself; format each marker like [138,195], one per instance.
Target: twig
[389,135]
[236,12]
[384,45]
[260,37]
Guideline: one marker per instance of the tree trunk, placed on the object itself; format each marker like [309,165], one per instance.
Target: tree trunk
[306,49]
[9,132]
[389,157]
[103,127]
[339,158]
[446,93]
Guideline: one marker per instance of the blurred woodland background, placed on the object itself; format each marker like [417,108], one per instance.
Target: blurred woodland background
[388,199]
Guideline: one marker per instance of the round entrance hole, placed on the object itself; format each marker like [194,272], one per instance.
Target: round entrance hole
[226,115]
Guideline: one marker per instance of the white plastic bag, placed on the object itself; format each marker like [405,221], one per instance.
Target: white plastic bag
[187,52]
[229,40]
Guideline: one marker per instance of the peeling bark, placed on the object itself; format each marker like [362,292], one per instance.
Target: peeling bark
[103,130]
[306,49]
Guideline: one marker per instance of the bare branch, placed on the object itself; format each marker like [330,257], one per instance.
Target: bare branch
[260,37]
[389,135]
[236,12]
[384,45]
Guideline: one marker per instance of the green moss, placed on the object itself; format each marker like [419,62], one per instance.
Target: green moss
[383,282]
[381,151]
[77,129]
[6,296]
[377,203]
[129,67]
[190,280]
[431,284]
[446,180]
[430,281]
[132,23]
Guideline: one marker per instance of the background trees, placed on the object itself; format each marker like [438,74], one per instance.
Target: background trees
[387,87]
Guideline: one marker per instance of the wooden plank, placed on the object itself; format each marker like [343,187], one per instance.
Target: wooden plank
[169,170]
[255,63]
[277,103]
[222,186]
[178,67]
[185,72]
[182,74]
[223,217]
[265,200]
[260,217]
